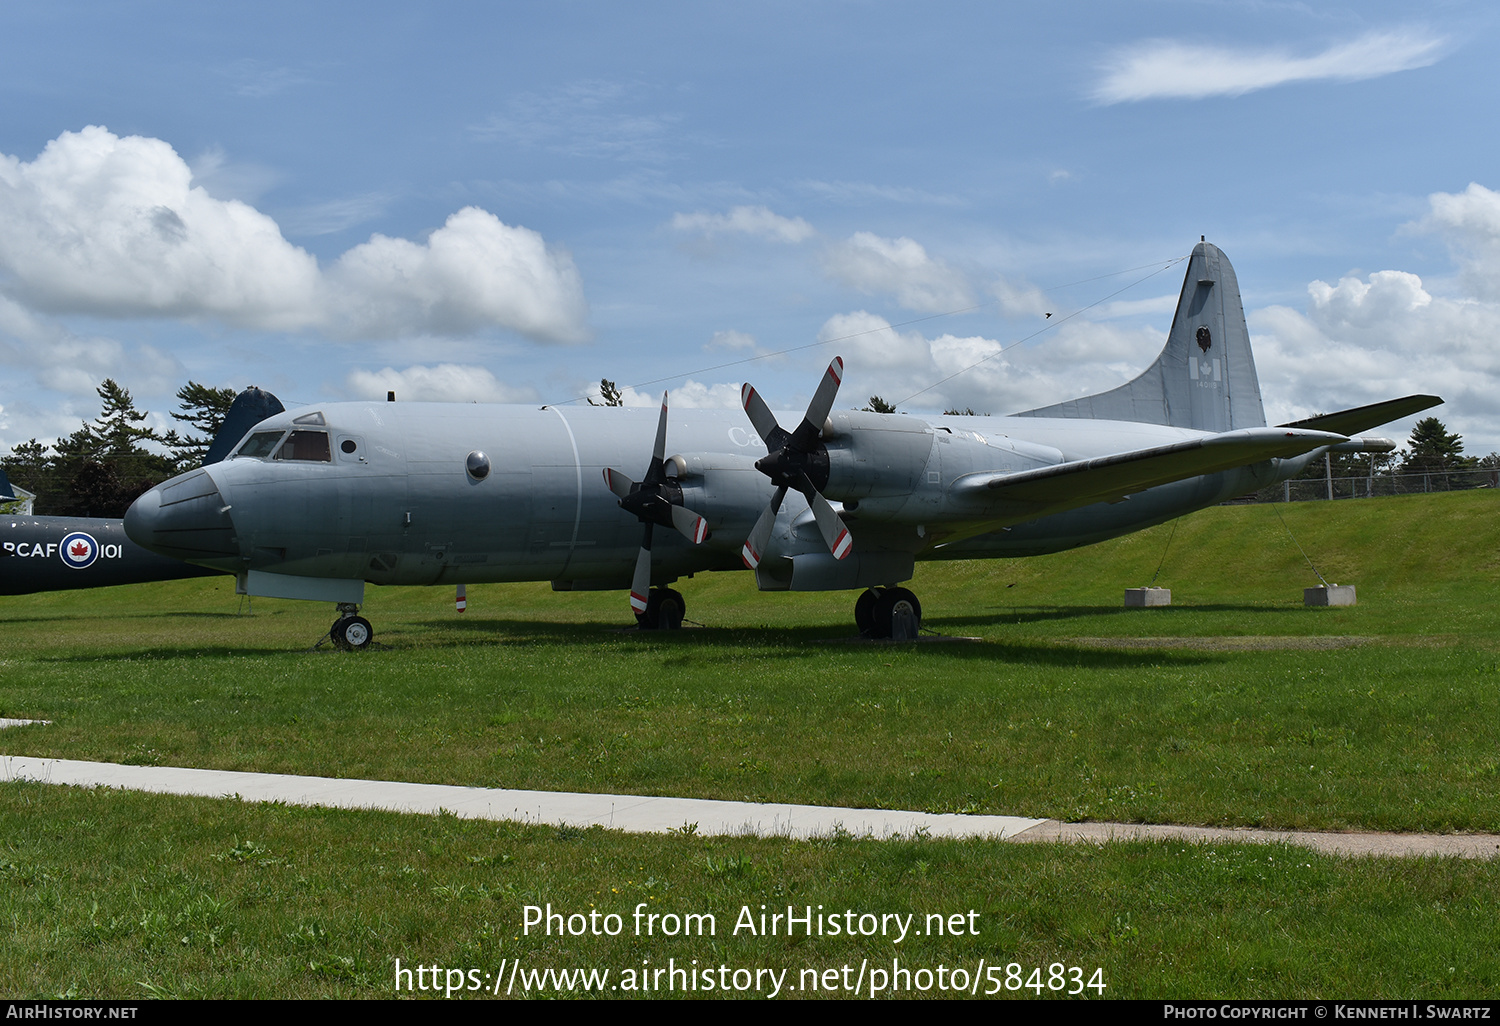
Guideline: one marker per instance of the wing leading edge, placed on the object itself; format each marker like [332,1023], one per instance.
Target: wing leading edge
[1112,478]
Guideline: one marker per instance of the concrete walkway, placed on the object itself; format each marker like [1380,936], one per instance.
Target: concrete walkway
[646,814]
[629,812]
[1467,846]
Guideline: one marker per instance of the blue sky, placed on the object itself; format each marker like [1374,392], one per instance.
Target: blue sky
[507,202]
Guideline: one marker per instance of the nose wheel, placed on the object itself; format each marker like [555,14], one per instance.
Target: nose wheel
[351,632]
[892,613]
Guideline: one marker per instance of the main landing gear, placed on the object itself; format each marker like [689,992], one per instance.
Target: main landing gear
[892,613]
[664,609]
[351,632]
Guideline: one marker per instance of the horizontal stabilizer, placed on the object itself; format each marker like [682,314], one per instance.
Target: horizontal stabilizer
[1362,418]
[1110,478]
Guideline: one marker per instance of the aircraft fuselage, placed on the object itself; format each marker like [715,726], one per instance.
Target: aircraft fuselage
[384,493]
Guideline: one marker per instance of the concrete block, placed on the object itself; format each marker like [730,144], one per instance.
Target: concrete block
[1140,598]
[1333,595]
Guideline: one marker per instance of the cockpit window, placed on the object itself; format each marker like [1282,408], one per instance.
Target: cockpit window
[260,444]
[306,445]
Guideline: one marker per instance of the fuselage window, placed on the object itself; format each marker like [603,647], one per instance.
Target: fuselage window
[260,444]
[306,445]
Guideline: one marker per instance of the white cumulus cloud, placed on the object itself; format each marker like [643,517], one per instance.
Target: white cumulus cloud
[443,383]
[1080,359]
[898,267]
[1170,69]
[114,227]
[1469,222]
[1387,334]
[690,395]
[473,272]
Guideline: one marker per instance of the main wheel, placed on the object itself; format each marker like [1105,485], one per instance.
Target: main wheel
[898,615]
[664,611]
[352,633]
[864,612]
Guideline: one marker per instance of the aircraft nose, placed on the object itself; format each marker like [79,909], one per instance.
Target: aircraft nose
[185,518]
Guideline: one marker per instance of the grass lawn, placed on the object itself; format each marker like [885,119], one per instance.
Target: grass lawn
[1236,706]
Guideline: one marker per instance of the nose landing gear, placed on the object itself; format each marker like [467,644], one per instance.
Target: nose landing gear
[351,632]
[892,613]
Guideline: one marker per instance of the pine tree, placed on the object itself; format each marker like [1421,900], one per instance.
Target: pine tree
[608,393]
[102,467]
[121,427]
[1432,449]
[204,408]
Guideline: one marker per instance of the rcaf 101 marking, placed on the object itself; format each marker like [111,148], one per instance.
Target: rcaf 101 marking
[78,550]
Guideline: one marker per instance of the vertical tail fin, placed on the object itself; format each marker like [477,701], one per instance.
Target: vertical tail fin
[1204,378]
[250,407]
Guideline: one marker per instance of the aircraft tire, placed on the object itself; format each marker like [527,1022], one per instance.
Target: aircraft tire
[898,614]
[664,611]
[352,633]
[864,612]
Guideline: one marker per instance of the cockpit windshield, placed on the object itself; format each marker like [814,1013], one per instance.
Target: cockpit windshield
[306,445]
[260,444]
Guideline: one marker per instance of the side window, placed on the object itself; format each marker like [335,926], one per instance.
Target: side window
[260,444]
[311,446]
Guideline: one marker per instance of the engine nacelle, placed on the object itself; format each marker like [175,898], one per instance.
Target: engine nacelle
[875,454]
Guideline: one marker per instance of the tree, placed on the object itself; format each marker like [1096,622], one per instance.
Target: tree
[204,408]
[121,427]
[101,468]
[879,405]
[609,393]
[30,466]
[1432,449]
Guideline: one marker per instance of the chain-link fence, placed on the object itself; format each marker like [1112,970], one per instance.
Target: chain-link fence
[1371,485]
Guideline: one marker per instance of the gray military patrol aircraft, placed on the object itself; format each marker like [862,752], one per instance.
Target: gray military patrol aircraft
[317,501]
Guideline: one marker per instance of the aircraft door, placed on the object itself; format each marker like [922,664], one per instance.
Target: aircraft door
[373,506]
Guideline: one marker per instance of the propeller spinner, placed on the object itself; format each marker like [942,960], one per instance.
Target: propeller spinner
[656,500]
[796,459]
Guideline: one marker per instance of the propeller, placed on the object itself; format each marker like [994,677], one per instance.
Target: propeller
[656,500]
[796,459]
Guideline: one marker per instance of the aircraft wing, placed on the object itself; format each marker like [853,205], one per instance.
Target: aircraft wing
[1362,418]
[1112,478]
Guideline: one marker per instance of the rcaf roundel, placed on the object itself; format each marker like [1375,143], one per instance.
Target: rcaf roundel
[78,550]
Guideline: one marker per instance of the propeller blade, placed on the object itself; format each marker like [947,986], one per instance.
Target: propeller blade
[640,587]
[760,535]
[821,405]
[618,482]
[764,421]
[689,524]
[835,534]
[656,473]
